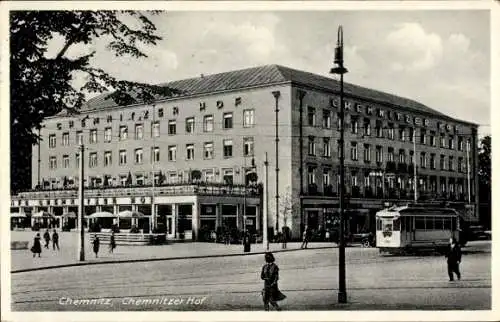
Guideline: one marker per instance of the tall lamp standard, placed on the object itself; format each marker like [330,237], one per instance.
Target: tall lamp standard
[341,70]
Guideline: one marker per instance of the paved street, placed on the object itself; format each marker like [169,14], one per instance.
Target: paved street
[68,253]
[308,278]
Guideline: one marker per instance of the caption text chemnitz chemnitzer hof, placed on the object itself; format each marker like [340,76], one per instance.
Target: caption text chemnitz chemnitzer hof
[175,301]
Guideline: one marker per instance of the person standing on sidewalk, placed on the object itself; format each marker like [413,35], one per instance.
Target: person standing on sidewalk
[305,237]
[55,240]
[46,237]
[95,244]
[285,233]
[454,257]
[270,274]
[37,246]
[112,242]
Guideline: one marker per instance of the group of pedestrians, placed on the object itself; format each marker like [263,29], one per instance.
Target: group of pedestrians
[96,244]
[37,243]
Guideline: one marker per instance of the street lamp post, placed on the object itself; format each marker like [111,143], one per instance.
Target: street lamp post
[341,70]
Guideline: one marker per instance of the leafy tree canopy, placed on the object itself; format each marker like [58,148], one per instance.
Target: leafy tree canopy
[41,86]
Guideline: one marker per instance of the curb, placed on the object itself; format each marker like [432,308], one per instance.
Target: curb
[158,259]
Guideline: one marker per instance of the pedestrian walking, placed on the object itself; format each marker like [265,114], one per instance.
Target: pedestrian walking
[270,274]
[284,237]
[96,243]
[55,240]
[305,237]
[112,242]
[37,246]
[46,237]
[454,257]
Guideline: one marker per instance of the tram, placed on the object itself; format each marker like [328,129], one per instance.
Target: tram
[406,229]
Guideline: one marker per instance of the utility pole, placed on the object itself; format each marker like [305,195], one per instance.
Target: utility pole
[266,207]
[340,69]
[153,154]
[81,211]
[276,95]
[468,172]
[415,163]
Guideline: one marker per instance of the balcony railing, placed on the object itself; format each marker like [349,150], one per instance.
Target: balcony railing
[171,190]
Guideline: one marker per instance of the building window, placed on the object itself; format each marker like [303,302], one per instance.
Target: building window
[109,119]
[248,118]
[209,175]
[432,138]
[123,132]
[79,137]
[423,160]
[208,150]
[311,146]
[443,141]
[52,141]
[354,151]
[423,136]
[339,124]
[77,159]
[311,175]
[228,120]
[139,179]
[390,154]
[227,176]
[208,123]
[327,152]
[411,134]
[460,165]
[155,154]
[311,116]
[451,143]
[228,148]
[433,161]
[173,177]
[65,139]
[65,161]
[93,160]
[123,157]
[160,112]
[367,153]
[248,146]
[402,156]
[367,127]
[172,127]
[107,134]
[138,156]
[107,158]
[326,177]
[378,154]
[391,132]
[172,153]
[402,133]
[379,130]
[52,163]
[354,179]
[327,119]
[354,125]
[155,129]
[139,131]
[441,163]
[190,125]
[190,151]
[93,136]
[450,163]
[460,144]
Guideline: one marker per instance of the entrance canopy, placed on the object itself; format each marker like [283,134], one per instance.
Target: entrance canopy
[130,214]
[102,214]
[43,214]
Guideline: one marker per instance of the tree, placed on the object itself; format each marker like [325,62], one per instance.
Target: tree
[289,207]
[484,178]
[41,86]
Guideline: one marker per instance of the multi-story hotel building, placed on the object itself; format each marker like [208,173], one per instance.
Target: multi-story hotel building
[201,144]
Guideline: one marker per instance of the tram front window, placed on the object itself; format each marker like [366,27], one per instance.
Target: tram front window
[397,224]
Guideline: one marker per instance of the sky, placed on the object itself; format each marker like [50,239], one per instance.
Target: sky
[439,58]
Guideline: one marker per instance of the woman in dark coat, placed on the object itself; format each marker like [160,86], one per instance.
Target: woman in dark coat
[454,257]
[270,275]
[95,243]
[37,245]
[112,242]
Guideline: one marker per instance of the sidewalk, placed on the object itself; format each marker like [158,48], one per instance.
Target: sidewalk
[68,255]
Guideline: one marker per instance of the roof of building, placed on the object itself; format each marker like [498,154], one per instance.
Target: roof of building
[269,75]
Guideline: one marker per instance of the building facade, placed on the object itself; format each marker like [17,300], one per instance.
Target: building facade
[201,154]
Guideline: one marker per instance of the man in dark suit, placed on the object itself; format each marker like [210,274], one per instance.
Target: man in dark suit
[454,257]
